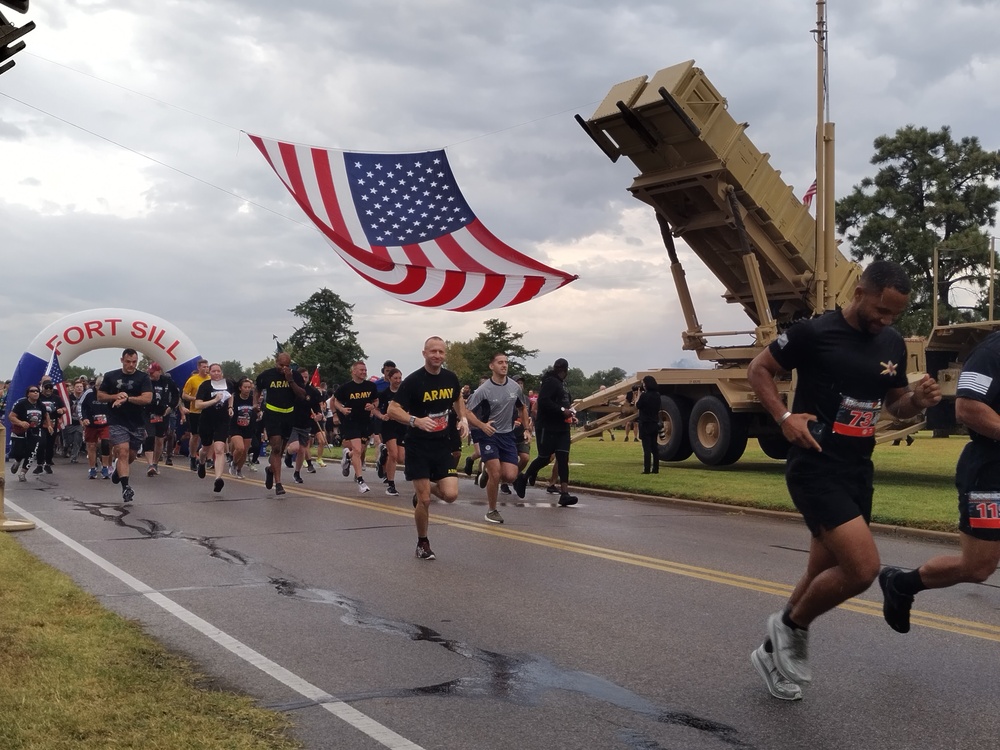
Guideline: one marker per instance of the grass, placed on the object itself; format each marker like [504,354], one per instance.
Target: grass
[74,676]
[914,485]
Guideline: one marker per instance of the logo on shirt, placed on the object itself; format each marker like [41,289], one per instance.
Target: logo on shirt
[888,368]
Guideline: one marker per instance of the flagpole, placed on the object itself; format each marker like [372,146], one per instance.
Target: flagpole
[820,197]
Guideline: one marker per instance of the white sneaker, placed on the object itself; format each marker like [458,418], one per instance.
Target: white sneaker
[345,463]
[362,487]
[791,650]
[781,688]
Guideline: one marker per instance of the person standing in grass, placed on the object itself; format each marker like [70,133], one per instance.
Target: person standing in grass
[977,478]
[851,365]
[648,408]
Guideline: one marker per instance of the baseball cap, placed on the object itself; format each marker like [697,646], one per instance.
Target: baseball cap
[560,364]
[155,368]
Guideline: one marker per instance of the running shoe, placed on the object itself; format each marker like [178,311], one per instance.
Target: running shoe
[38,469]
[391,490]
[201,470]
[219,484]
[253,466]
[553,489]
[169,461]
[483,479]
[505,489]
[781,688]
[92,474]
[239,474]
[105,473]
[150,472]
[232,469]
[288,460]
[48,468]
[362,487]
[321,463]
[268,478]
[310,468]
[15,466]
[115,479]
[895,606]
[22,476]
[424,551]
[566,499]
[345,463]
[297,478]
[380,466]
[520,484]
[194,464]
[278,489]
[791,649]
[468,466]
[210,463]
[127,493]
[494,517]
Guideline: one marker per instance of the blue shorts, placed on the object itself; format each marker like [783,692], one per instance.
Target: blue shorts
[499,445]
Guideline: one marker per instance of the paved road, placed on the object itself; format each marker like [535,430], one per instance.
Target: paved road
[615,624]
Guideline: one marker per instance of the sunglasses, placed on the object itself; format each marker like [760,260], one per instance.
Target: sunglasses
[46,385]
[32,390]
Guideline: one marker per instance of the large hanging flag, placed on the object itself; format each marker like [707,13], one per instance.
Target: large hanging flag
[54,373]
[401,222]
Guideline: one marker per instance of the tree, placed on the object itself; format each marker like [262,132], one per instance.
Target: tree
[72,372]
[605,378]
[234,370]
[498,337]
[930,192]
[326,338]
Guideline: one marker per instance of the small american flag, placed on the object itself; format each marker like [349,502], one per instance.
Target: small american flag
[810,194]
[55,373]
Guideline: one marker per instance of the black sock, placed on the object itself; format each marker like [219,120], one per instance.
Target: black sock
[421,539]
[790,623]
[909,583]
[124,481]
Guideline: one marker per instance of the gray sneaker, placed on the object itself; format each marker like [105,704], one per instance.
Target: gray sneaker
[345,463]
[791,650]
[778,686]
[494,517]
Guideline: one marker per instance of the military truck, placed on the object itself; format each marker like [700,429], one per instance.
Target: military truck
[712,187]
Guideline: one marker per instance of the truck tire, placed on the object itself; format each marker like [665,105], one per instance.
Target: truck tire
[718,436]
[673,443]
[774,446]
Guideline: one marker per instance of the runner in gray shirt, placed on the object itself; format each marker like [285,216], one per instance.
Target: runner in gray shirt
[498,446]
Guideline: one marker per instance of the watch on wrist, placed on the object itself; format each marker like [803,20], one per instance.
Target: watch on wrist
[412,420]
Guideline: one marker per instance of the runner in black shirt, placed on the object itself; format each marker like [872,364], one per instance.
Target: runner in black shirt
[214,399]
[850,365]
[977,478]
[54,405]
[355,401]
[128,391]
[423,403]
[392,432]
[242,426]
[283,388]
[165,397]
[28,419]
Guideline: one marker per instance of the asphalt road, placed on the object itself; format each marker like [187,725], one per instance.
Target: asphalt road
[618,623]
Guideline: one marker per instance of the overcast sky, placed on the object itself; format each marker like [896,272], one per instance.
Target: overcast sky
[88,224]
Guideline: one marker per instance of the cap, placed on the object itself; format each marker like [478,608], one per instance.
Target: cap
[560,364]
[388,363]
[155,368]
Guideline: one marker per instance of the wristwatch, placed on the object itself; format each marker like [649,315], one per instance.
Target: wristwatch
[412,420]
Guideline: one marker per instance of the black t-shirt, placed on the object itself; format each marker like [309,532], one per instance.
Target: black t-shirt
[165,393]
[31,413]
[94,411]
[243,415]
[304,410]
[979,465]
[51,404]
[128,414]
[384,398]
[843,377]
[218,413]
[279,393]
[425,395]
[355,396]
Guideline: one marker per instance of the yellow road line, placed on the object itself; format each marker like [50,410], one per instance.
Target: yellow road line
[861,606]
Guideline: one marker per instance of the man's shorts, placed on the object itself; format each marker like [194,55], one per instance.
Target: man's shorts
[550,441]
[194,422]
[499,445]
[156,428]
[317,426]
[978,482]
[524,447]
[120,434]
[96,433]
[429,460]
[829,493]
[392,430]
[301,435]
[277,423]
[351,430]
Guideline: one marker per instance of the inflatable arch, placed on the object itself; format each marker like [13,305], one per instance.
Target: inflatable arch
[106,328]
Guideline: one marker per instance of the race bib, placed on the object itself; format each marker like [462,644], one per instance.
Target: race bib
[984,510]
[856,417]
[440,421]
[242,421]
[100,419]
[155,418]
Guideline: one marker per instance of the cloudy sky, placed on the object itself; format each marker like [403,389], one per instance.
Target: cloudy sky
[121,146]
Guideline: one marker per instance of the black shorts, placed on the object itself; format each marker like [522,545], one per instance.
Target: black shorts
[156,429]
[826,492]
[214,431]
[427,459]
[22,446]
[278,423]
[194,422]
[977,478]
[392,430]
[454,438]
[350,430]
[317,426]
[552,441]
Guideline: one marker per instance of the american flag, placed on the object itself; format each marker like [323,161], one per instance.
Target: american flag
[810,194]
[54,372]
[401,222]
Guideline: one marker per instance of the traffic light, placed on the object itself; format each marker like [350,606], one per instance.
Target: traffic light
[9,33]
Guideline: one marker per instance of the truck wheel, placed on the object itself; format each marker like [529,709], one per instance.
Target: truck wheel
[774,446]
[672,442]
[718,436]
